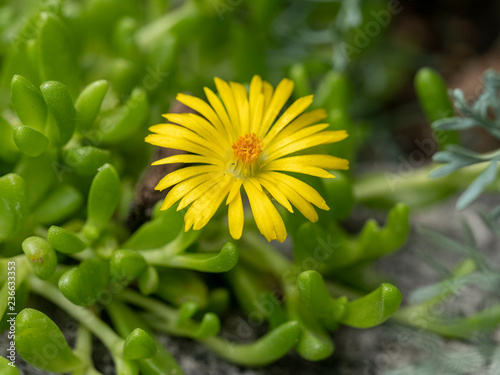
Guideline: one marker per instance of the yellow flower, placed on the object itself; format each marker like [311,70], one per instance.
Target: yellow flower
[238,141]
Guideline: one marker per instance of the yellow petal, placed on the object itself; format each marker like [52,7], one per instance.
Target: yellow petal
[240,97]
[198,125]
[221,113]
[256,114]
[183,174]
[266,216]
[299,106]
[255,92]
[180,144]
[267,90]
[182,188]
[202,108]
[304,207]
[280,142]
[188,158]
[314,165]
[199,191]
[201,210]
[280,97]
[303,189]
[301,122]
[235,189]
[275,193]
[321,138]
[227,97]
[236,217]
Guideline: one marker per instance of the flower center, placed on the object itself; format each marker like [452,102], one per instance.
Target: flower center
[247,149]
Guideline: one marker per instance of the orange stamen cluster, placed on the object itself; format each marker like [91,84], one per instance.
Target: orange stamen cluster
[247,148]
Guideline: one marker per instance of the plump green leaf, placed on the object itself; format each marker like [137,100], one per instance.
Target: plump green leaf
[13,205]
[265,350]
[83,285]
[125,321]
[7,366]
[104,197]
[223,261]
[89,103]
[139,345]
[374,308]
[125,121]
[433,95]
[40,174]
[55,52]
[30,141]
[9,152]
[127,265]
[64,241]
[60,105]
[28,103]
[86,160]
[148,281]
[42,256]
[41,343]
[180,286]
[61,203]
[158,232]
[317,299]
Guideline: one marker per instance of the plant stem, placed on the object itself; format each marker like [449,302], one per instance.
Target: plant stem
[84,316]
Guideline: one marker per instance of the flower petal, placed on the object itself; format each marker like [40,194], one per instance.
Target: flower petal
[182,188]
[236,217]
[280,97]
[183,174]
[266,216]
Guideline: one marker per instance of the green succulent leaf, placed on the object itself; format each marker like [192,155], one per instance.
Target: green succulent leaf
[125,321]
[86,160]
[89,103]
[317,299]
[42,256]
[36,334]
[374,308]
[13,205]
[62,202]
[124,122]
[64,241]
[60,105]
[157,232]
[6,366]
[139,345]
[83,285]
[148,281]
[55,52]
[223,261]
[181,286]
[127,265]
[265,350]
[104,197]
[30,141]
[28,103]
[9,151]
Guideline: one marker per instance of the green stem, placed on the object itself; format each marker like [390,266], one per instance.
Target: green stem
[85,317]
[373,186]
